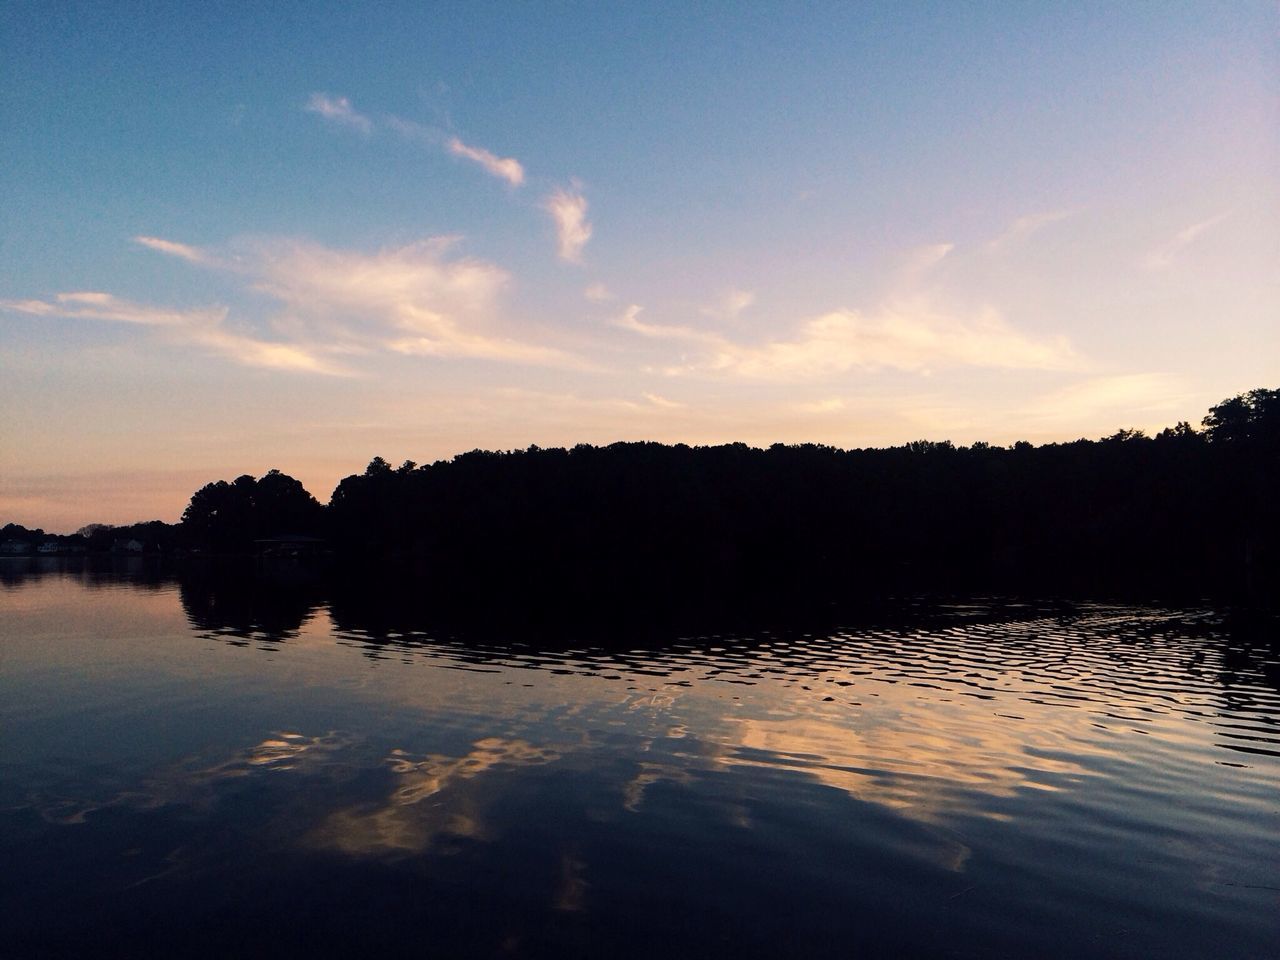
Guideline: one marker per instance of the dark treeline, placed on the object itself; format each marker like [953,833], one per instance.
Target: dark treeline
[1186,513]
[150,537]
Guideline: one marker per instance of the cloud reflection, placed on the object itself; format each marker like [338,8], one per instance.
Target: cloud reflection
[405,823]
[199,787]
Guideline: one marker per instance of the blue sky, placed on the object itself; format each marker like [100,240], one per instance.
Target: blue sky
[234,239]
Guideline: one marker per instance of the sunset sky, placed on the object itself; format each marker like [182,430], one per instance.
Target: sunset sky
[242,236]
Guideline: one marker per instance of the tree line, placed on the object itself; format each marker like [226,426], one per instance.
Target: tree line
[1187,512]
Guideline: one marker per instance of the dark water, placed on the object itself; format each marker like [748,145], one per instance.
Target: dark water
[188,772]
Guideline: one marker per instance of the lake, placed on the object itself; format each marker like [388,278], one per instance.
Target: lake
[257,766]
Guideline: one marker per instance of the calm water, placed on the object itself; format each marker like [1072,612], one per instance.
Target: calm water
[196,771]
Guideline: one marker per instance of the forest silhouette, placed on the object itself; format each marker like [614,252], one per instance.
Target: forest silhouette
[1185,513]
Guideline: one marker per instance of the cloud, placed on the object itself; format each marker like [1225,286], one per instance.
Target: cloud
[412,299]
[173,249]
[421,274]
[663,403]
[905,335]
[730,304]
[1164,255]
[339,110]
[253,352]
[569,211]
[204,327]
[1024,227]
[598,293]
[95,305]
[505,168]
[414,131]
[1141,396]
[920,261]
[416,299]
[630,320]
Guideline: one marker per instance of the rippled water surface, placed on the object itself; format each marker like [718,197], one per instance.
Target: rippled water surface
[186,772]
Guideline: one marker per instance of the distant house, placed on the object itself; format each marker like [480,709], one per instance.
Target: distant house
[49,547]
[126,546]
[290,545]
[15,548]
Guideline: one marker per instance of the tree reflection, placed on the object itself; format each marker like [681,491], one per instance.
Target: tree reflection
[244,602]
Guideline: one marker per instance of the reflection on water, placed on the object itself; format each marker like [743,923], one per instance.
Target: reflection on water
[229,761]
[414,813]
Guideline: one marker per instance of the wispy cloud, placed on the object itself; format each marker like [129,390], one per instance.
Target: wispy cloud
[339,110]
[505,168]
[1124,397]
[568,208]
[181,250]
[630,320]
[920,261]
[663,403]
[96,305]
[1024,228]
[414,131]
[417,299]
[201,327]
[598,293]
[414,299]
[730,304]
[906,335]
[1164,255]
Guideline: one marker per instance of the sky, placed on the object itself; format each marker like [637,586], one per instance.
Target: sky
[237,237]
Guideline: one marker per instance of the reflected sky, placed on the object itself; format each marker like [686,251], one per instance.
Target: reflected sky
[1039,780]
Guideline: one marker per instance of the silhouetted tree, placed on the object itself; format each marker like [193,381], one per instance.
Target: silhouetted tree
[227,517]
[1252,417]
